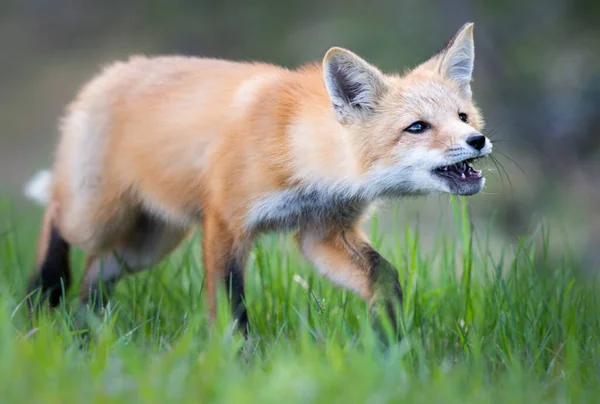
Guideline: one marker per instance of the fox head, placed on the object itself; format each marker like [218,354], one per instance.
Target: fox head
[416,133]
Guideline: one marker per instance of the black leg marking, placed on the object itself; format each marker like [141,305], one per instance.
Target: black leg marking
[54,275]
[382,271]
[384,281]
[234,282]
[383,276]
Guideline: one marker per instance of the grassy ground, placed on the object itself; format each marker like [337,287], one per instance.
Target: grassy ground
[482,323]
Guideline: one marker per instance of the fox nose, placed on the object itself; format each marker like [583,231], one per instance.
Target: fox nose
[476,141]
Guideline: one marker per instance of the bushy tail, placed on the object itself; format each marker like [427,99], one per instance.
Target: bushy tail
[38,187]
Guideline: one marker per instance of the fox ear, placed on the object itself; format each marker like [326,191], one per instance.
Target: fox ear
[354,86]
[458,57]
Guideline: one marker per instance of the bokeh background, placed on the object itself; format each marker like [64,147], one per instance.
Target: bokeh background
[537,80]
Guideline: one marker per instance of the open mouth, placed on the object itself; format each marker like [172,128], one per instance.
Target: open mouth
[462,171]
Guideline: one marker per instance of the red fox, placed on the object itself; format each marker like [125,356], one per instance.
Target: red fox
[153,147]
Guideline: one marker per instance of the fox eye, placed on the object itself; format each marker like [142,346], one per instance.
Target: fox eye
[463,117]
[417,127]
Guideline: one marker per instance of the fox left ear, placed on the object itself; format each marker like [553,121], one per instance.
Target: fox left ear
[354,86]
[458,57]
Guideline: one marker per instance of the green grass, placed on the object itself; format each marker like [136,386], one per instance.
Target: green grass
[482,323]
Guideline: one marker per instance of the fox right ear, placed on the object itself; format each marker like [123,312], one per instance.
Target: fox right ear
[354,86]
[457,59]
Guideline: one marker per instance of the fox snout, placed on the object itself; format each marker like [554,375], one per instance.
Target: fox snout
[455,172]
[477,141]
[476,144]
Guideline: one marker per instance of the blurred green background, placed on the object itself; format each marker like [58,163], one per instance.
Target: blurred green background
[537,79]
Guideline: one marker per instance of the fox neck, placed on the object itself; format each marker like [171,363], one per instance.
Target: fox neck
[330,179]
[323,203]
[327,159]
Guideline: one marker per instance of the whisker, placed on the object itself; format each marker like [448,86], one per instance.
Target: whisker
[499,171]
[493,130]
[516,164]
[512,189]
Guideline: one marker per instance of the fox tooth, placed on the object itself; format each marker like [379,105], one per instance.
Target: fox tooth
[462,176]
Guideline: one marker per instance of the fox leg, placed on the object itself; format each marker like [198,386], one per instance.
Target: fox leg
[147,242]
[224,261]
[102,274]
[346,257]
[52,275]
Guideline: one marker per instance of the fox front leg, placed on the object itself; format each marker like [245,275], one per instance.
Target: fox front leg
[386,295]
[346,257]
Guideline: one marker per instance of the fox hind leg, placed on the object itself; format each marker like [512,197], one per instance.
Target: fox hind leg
[145,244]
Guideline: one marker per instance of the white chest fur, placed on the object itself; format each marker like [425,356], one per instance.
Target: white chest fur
[298,207]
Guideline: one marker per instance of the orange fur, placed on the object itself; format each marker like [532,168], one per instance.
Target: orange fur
[231,145]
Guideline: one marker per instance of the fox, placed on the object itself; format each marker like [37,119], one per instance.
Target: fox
[153,148]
